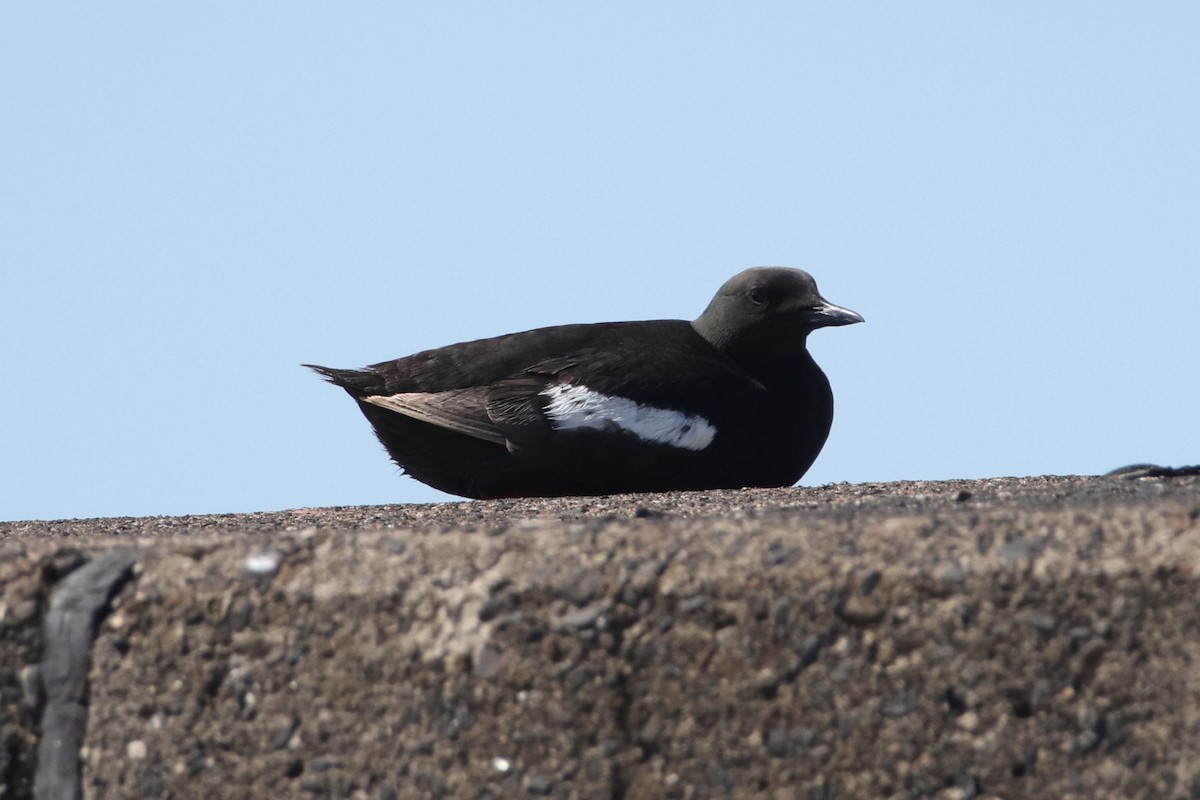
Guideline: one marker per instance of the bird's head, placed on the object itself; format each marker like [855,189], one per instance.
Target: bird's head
[766,313]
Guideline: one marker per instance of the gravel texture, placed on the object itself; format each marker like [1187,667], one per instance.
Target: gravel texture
[1031,637]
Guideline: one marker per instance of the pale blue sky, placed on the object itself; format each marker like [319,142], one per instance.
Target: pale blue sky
[196,198]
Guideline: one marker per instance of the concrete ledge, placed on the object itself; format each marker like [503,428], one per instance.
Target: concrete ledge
[1002,638]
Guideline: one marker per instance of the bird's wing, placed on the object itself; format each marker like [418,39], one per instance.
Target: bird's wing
[512,412]
[483,362]
[519,407]
[459,410]
[679,380]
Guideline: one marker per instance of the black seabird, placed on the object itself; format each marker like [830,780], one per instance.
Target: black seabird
[732,399]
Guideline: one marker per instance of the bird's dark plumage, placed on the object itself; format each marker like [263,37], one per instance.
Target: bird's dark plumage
[732,399]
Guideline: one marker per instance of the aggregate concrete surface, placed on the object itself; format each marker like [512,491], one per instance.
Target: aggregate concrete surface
[1001,638]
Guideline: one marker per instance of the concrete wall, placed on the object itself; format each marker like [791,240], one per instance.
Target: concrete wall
[1006,638]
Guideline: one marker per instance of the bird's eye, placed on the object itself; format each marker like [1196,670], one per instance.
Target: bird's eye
[758,296]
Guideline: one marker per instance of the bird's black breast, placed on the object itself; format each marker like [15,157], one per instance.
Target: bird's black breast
[781,437]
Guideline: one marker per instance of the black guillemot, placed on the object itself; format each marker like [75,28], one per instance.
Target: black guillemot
[730,400]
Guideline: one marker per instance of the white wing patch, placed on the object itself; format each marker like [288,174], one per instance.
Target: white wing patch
[574,407]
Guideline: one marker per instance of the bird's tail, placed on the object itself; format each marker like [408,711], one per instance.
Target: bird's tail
[357,382]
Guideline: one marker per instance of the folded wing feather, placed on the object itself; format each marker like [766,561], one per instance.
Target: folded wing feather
[460,410]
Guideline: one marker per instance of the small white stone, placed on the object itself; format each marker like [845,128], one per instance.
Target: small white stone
[501,765]
[263,563]
[136,750]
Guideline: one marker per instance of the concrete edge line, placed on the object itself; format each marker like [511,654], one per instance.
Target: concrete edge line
[76,607]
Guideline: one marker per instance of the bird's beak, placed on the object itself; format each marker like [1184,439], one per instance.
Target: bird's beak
[827,314]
